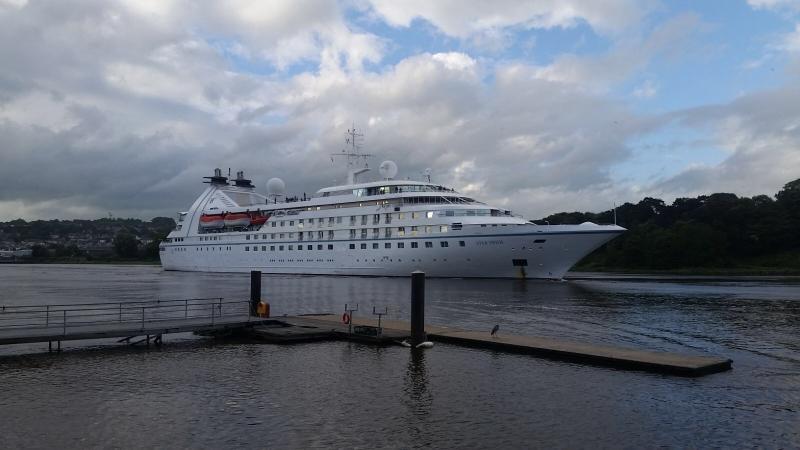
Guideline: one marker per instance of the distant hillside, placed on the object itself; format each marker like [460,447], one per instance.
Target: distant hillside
[75,240]
[717,231]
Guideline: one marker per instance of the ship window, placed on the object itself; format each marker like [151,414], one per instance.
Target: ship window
[428,244]
[415,215]
[352,234]
[263,236]
[274,224]
[291,247]
[263,248]
[352,220]
[462,244]
[291,223]
[300,223]
[247,237]
[255,236]
[255,248]
[429,214]
[247,248]
[401,216]
[540,241]
[311,221]
[330,221]
[401,231]
[330,246]
[272,248]
[444,244]
[376,232]
[387,245]
[388,217]
[282,235]
[363,233]
[519,262]
[339,219]
[283,222]
[272,235]
[428,229]
[291,235]
[374,245]
[400,245]
[320,234]
[363,220]
[352,246]
[280,247]
[443,228]
[363,246]
[330,234]
[387,232]
[319,247]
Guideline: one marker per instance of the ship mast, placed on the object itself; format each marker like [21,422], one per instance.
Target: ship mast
[354,139]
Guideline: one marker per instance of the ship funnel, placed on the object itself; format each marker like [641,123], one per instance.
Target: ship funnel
[217,178]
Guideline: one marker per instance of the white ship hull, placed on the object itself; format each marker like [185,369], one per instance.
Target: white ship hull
[510,255]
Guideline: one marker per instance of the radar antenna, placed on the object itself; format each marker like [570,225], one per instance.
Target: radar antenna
[354,139]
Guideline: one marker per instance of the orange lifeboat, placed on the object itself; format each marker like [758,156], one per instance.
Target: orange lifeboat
[258,219]
[237,220]
[212,221]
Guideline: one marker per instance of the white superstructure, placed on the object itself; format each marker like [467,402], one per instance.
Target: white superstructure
[382,228]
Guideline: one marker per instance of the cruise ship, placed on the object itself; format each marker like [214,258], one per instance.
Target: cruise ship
[387,227]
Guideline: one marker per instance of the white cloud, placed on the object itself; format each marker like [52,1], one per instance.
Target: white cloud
[464,18]
[647,89]
[774,4]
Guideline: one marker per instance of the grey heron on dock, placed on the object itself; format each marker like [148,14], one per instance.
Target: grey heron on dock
[495,330]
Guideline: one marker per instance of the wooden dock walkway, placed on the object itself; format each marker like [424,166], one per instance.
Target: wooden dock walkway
[618,357]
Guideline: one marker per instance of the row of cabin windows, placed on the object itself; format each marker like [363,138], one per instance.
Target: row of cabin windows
[428,244]
[375,245]
[353,233]
[280,248]
[353,220]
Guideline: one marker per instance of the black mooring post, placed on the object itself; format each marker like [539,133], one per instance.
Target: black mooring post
[418,307]
[255,290]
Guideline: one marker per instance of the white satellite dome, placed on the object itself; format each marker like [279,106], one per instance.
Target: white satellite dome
[276,186]
[388,169]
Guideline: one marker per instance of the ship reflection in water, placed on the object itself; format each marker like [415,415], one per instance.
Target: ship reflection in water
[195,392]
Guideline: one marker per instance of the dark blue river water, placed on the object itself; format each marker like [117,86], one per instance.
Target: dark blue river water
[199,393]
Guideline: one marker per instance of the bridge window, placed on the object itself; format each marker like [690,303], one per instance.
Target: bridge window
[462,244]
[352,246]
[414,245]
[387,245]
[363,246]
[444,244]
[428,244]
[374,245]
[400,245]
[540,241]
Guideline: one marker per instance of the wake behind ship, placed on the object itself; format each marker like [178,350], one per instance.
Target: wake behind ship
[381,228]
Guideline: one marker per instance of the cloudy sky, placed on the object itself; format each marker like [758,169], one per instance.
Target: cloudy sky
[542,105]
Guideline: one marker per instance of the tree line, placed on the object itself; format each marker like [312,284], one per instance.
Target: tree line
[710,231]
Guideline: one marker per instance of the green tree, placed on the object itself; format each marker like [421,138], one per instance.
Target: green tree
[125,245]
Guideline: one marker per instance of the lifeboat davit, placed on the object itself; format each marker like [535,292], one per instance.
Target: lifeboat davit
[258,219]
[237,220]
[212,221]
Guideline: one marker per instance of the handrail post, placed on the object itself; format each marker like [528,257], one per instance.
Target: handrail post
[47,317]
[142,317]
[65,322]
[220,306]
[212,313]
